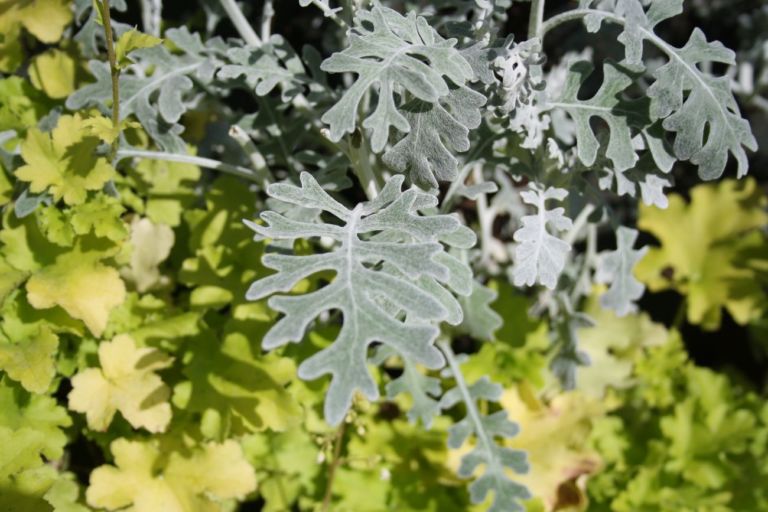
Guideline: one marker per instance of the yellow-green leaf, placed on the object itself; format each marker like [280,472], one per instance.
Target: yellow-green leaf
[130,41]
[46,19]
[152,243]
[146,479]
[84,287]
[704,248]
[126,382]
[53,72]
[31,361]
[64,163]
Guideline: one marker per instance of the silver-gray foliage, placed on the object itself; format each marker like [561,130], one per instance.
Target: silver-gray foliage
[689,100]
[392,284]
[496,460]
[159,89]
[616,268]
[398,57]
[540,255]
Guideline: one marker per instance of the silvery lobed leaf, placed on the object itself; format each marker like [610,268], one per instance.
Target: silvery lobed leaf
[691,102]
[389,263]
[496,459]
[622,116]
[644,177]
[159,89]
[397,54]
[425,391]
[480,320]
[270,65]
[540,256]
[437,130]
[615,268]
[564,330]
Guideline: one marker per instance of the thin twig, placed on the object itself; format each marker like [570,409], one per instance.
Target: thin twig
[537,18]
[106,19]
[267,13]
[335,462]
[208,163]
[240,22]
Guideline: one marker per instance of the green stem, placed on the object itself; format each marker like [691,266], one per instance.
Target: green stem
[240,22]
[536,18]
[338,441]
[106,19]
[208,163]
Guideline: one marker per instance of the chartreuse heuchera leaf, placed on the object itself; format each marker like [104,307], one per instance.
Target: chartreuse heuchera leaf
[126,382]
[29,360]
[64,163]
[540,255]
[388,260]
[706,247]
[147,477]
[30,428]
[82,285]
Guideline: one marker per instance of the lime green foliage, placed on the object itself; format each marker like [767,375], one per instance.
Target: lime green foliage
[44,19]
[20,104]
[685,438]
[53,73]
[29,359]
[148,476]
[126,382]
[130,41]
[81,285]
[234,390]
[30,429]
[613,344]
[711,250]
[64,163]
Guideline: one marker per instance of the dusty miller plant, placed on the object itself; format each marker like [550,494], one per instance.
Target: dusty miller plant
[445,125]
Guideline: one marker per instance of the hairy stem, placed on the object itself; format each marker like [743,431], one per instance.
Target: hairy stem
[114,73]
[536,18]
[263,174]
[361,164]
[267,13]
[208,163]
[483,217]
[579,223]
[151,16]
[484,441]
[335,462]
[241,24]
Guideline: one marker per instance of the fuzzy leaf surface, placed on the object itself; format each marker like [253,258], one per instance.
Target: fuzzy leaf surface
[540,257]
[397,54]
[415,277]
[616,268]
